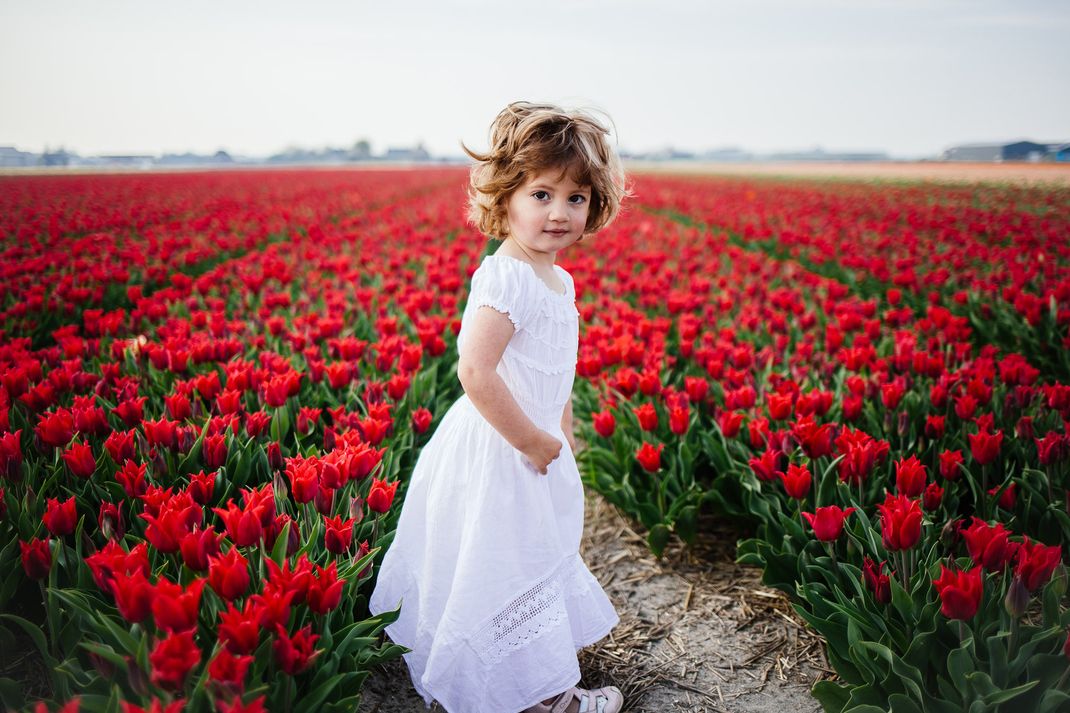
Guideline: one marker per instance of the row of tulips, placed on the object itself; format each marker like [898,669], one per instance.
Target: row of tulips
[199,508]
[996,254]
[843,409]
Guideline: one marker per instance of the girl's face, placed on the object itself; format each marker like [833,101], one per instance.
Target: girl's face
[548,212]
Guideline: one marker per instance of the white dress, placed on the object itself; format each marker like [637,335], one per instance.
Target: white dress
[495,599]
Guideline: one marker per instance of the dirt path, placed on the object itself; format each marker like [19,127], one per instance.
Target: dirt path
[698,633]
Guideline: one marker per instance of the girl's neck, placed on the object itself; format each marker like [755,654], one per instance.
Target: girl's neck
[511,248]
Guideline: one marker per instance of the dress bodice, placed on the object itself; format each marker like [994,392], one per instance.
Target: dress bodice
[539,362]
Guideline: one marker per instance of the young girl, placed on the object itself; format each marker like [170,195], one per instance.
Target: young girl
[495,600]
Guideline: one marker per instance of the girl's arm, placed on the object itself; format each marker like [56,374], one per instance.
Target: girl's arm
[566,424]
[485,342]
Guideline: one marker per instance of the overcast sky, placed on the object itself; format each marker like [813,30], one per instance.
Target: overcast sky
[910,77]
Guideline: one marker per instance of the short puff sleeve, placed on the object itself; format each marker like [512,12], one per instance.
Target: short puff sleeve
[500,283]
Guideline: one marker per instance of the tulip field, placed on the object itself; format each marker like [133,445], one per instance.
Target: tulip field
[213,388]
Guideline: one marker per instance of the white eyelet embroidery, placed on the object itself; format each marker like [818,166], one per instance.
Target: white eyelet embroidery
[532,614]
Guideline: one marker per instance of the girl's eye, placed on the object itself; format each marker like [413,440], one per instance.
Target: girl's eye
[582,198]
[539,195]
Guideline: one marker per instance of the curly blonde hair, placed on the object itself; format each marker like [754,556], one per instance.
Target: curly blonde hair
[526,139]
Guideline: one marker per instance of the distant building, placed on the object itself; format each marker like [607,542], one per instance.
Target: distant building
[137,160]
[56,158]
[11,157]
[1059,152]
[1015,151]
[406,154]
[727,155]
[819,154]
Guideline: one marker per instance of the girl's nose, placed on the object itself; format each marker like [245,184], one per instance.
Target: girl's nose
[558,211]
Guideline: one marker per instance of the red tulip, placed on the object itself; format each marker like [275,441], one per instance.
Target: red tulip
[175,608]
[985,446]
[649,457]
[767,466]
[648,417]
[120,446]
[960,592]
[828,522]
[274,454]
[239,629]
[160,433]
[214,449]
[910,476]
[339,374]
[935,426]
[696,388]
[325,589]
[1007,498]
[779,406]
[989,545]
[79,458]
[36,558]
[1036,562]
[294,654]
[133,595]
[876,581]
[229,669]
[604,423]
[815,439]
[338,535]
[60,518]
[852,407]
[110,521]
[230,401]
[892,393]
[172,659]
[304,479]
[243,526]
[934,495]
[229,574]
[796,481]
[421,420]
[950,464]
[178,516]
[861,454]
[201,486]
[197,547]
[178,405]
[730,423]
[381,495]
[132,477]
[55,429]
[900,522]
[1053,448]
[131,411]
[679,420]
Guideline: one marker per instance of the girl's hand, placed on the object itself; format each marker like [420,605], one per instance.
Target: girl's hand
[542,451]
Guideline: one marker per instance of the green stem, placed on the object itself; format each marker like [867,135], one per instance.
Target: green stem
[984,492]
[52,644]
[1013,642]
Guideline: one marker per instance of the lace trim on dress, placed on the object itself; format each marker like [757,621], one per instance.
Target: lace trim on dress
[497,306]
[532,614]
